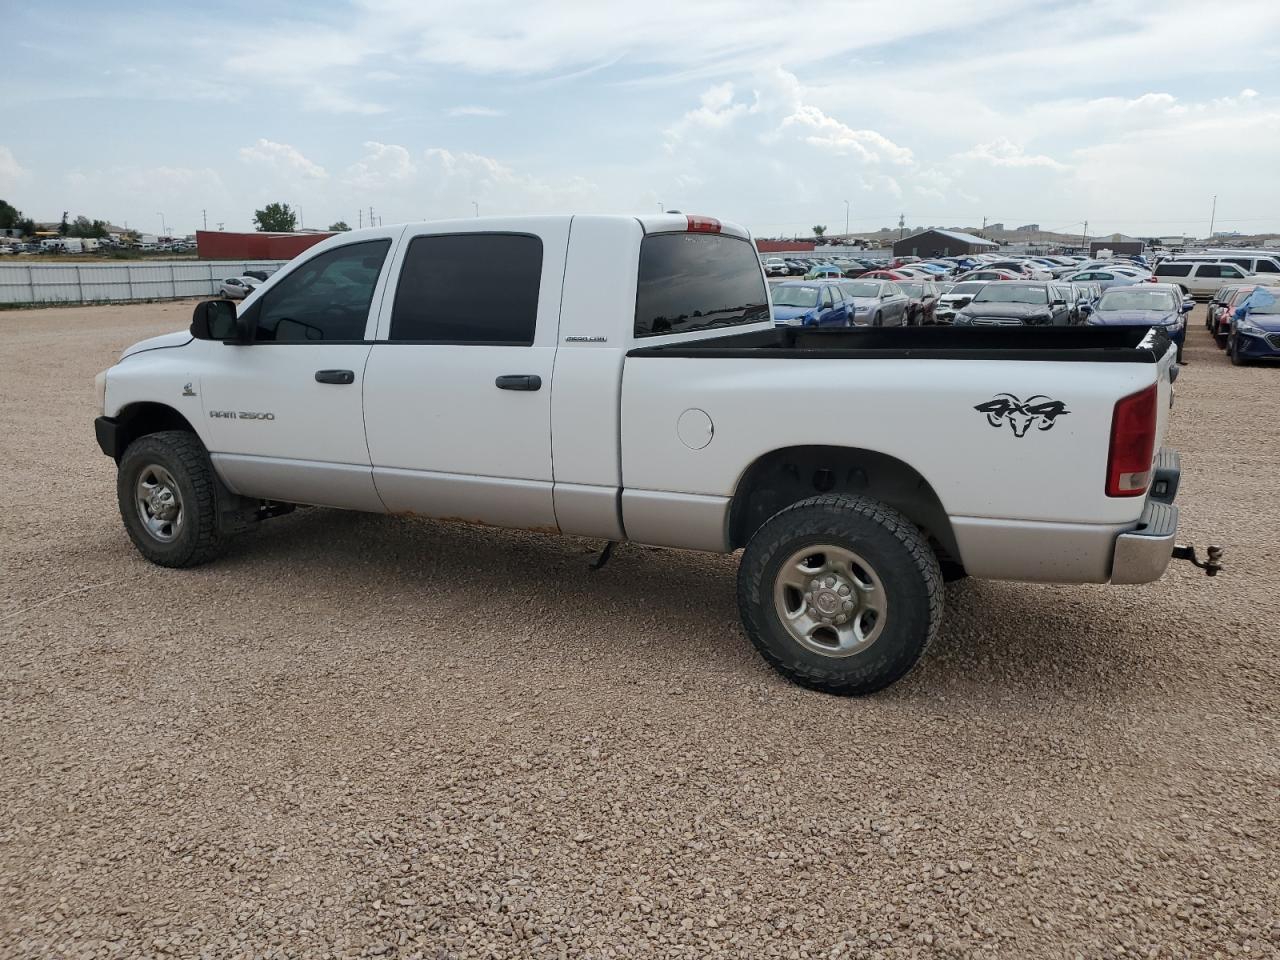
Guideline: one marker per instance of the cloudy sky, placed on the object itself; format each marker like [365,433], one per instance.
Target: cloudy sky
[1131,116]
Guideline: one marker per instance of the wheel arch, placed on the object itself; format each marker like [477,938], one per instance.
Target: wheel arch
[145,417]
[790,474]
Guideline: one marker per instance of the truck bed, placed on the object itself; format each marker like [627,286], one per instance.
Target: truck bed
[1082,344]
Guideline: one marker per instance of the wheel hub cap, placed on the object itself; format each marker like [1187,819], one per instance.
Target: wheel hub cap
[830,600]
[158,503]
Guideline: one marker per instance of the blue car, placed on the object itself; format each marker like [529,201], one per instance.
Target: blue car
[1255,328]
[797,303]
[1144,305]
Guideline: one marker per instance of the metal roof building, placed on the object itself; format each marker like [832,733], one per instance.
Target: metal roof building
[942,243]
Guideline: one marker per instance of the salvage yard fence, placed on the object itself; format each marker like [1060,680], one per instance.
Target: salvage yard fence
[22,283]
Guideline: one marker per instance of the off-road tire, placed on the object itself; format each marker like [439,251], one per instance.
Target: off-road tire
[901,557]
[184,457]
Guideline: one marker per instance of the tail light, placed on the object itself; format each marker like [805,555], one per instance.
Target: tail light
[1133,444]
[703,224]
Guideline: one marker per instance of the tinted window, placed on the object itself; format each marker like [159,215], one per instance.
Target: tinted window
[1266,266]
[1209,270]
[326,298]
[469,288]
[1229,271]
[1173,270]
[692,281]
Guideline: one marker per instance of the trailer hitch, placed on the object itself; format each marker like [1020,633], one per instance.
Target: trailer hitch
[1211,564]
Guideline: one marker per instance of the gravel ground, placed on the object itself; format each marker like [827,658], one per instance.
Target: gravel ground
[371,736]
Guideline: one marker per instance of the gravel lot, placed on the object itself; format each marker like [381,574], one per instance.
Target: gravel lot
[371,736]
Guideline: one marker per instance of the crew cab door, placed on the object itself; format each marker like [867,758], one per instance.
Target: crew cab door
[458,387]
[284,412]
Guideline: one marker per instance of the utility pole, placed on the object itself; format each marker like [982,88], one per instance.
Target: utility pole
[204,215]
[371,215]
[846,221]
[359,219]
[1084,237]
[1213,214]
[902,224]
[477,206]
[984,226]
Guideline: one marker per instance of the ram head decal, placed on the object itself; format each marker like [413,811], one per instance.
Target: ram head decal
[1021,415]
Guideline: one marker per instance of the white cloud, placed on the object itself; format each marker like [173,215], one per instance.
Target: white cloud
[828,133]
[282,158]
[10,170]
[474,111]
[382,164]
[1003,152]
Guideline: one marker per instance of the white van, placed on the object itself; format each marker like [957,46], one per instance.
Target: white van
[1201,278]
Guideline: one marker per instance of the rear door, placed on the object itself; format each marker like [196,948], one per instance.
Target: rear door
[457,398]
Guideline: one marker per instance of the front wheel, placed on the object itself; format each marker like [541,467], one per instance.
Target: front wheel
[840,593]
[1233,351]
[168,499]
[877,321]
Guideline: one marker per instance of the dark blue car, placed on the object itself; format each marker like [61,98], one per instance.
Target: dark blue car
[799,303]
[1255,328]
[1144,305]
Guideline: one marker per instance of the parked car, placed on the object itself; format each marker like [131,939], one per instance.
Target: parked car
[1145,305]
[894,275]
[1105,279]
[796,268]
[1019,303]
[801,303]
[1248,262]
[1198,278]
[237,288]
[1236,295]
[620,351]
[876,303]
[923,296]
[1255,327]
[950,303]
[824,271]
[775,267]
[1217,305]
[989,275]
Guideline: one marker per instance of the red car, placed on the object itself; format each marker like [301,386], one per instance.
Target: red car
[885,275]
[1221,321]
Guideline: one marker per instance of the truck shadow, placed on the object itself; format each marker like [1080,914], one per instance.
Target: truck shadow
[667,613]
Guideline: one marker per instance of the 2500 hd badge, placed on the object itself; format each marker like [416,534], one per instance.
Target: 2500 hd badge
[242,415]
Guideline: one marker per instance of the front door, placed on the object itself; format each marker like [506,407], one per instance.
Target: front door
[284,412]
[458,387]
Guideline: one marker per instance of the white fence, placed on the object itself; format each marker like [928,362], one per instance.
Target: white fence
[137,280]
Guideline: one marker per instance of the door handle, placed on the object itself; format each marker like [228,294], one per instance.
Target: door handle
[519,381]
[335,376]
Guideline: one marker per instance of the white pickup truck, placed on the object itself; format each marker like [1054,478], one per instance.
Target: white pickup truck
[621,378]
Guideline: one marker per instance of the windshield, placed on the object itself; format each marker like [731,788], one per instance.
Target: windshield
[969,286]
[1265,303]
[1129,299]
[794,296]
[862,290]
[912,289]
[1011,293]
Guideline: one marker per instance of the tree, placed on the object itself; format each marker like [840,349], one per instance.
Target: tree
[340,226]
[10,216]
[819,231]
[276,218]
[84,227]
[63,227]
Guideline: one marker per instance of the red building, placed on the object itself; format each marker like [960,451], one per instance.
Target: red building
[783,246]
[222,245]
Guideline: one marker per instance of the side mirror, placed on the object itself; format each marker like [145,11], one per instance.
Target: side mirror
[1059,303]
[1086,308]
[215,320]
[1188,306]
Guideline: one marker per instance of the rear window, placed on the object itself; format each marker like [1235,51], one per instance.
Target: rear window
[1173,270]
[469,288]
[696,281]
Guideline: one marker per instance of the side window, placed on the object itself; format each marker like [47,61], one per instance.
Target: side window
[325,299]
[826,297]
[1266,266]
[447,291]
[1174,270]
[1230,271]
[1213,270]
[1238,261]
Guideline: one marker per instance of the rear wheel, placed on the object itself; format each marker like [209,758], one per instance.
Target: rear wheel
[167,494]
[840,593]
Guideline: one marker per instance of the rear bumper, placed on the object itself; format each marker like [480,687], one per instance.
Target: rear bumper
[107,430]
[1142,554]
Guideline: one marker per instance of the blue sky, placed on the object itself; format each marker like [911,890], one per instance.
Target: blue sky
[770,114]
